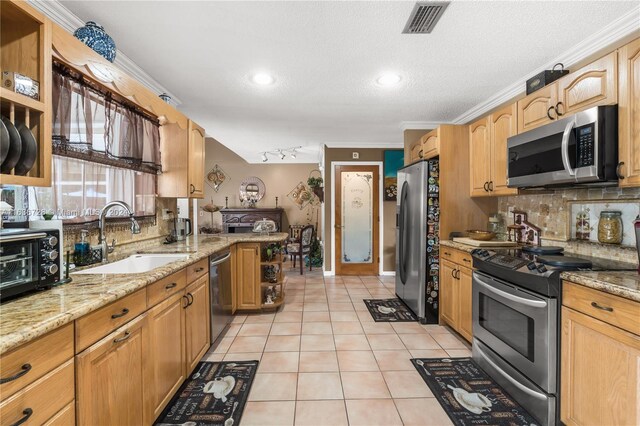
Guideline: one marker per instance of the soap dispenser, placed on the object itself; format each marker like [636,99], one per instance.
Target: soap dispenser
[82,249]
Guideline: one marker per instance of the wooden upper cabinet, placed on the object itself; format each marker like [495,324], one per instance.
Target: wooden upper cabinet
[196,160]
[430,144]
[600,372]
[629,113]
[537,108]
[591,85]
[25,48]
[248,276]
[480,157]
[503,124]
[415,152]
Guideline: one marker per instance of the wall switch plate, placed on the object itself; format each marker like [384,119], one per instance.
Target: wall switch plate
[166,214]
[355,155]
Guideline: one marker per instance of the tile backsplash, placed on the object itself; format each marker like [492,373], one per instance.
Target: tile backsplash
[554,213]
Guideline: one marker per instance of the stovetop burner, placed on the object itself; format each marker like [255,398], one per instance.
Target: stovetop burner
[542,249]
[565,261]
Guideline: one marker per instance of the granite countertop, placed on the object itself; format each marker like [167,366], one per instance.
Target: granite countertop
[26,318]
[458,246]
[619,283]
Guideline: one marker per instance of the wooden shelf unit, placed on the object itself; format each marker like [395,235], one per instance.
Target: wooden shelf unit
[264,264]
[25,48]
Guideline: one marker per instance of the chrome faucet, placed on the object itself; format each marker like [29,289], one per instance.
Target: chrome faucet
[102,239]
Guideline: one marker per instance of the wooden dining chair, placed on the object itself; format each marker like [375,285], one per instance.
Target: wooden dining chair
[301,247]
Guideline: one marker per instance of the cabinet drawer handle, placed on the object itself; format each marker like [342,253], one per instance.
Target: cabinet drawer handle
[187,305]
[123,338]
[124,312]
[603,308]
[557,108]
[453,273]
[619,170]
[421,153]
[466,260]
[193,188]
[25,369]
[457,274]
[447,253]
[27,412]
[551,108]
[490,185]
[190,299]
[170,286]
[198,270]
[486,187]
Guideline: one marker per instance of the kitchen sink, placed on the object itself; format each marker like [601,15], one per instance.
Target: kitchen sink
[135,264]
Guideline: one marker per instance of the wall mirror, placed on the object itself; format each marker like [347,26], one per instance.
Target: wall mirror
[251,190]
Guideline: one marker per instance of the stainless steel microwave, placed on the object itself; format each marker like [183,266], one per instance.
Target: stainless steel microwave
[581,149]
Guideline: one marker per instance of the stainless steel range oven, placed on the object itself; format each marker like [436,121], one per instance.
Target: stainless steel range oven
[520,326]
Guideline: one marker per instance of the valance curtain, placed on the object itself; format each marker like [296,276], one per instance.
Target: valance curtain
[89,124]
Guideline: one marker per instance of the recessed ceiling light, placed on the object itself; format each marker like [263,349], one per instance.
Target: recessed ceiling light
[388,79]
[263,79]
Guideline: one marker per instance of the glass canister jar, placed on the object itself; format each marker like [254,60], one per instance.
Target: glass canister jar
[610,227]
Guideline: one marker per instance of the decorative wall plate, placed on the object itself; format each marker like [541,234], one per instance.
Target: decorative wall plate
[216,177]
[301,195]
[252,189]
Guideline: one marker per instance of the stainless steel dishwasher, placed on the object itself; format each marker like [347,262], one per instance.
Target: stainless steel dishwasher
[220,292]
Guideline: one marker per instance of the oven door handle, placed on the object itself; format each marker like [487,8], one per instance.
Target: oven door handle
[21,237]
[523,388]
[565,147]
[517,299]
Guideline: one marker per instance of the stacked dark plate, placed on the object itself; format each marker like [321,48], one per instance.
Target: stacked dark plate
[18,148]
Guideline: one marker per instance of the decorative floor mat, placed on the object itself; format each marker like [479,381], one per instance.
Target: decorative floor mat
[468,395]
[214,395]
[389,310]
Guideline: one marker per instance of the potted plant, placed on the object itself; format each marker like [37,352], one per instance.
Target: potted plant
[315,183]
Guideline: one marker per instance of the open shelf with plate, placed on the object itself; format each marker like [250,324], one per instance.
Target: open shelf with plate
[271,277]
[25,55]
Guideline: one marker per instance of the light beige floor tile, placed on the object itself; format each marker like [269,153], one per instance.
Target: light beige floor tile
[285,328]
[238,319]
[245,356]
[341,307]
[436,329]
[373,412]
[406,384]
[360,306]
[254,329]
[221,346]
[274,387]
[213,357]
[364,316]
[398,360]
[279,362]
[321,413]
[419,341]
[288,317]
[259,318]
[355,342]
[318,362]
[317,328]
[283,344]
[429,353]
[377,328]
[315,299]
[408,328]
[364,385]
[347,327]
[357,361]
[385,342]
[275,413]
[422,412]
[316,317]
[316,307]
[314,386]
[459,353]
[248,344]
[343,316]
[314,342]
[449,341]
[232,330]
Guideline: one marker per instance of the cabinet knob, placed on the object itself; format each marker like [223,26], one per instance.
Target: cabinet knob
[486,187]
[551,108]
[420,153]
[557,108]
[192,188]
[491,185]
[619,170]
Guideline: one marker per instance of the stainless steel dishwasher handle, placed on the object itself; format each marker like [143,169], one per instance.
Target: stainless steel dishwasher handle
[219,261]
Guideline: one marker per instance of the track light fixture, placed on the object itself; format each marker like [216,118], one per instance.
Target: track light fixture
[282,153]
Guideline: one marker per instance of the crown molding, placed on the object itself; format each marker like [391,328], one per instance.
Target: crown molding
[420,125]
[62,16]
[364,145]
[622,27]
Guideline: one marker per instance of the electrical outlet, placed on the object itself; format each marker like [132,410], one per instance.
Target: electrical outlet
[355,155]
[166,214]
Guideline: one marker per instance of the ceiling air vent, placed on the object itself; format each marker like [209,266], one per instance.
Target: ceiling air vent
[424,17]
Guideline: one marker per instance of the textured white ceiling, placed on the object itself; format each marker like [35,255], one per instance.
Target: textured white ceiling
[325,57]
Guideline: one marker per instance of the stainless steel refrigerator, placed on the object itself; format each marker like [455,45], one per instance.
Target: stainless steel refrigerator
[417,238]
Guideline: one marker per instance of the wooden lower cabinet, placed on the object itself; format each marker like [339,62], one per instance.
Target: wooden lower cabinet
[197,322]
[111,380]
[64,417]
[600,377]
[248,276]
[455,297]
[166,352]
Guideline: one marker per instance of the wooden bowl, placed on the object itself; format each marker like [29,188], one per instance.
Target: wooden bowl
[478,235]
